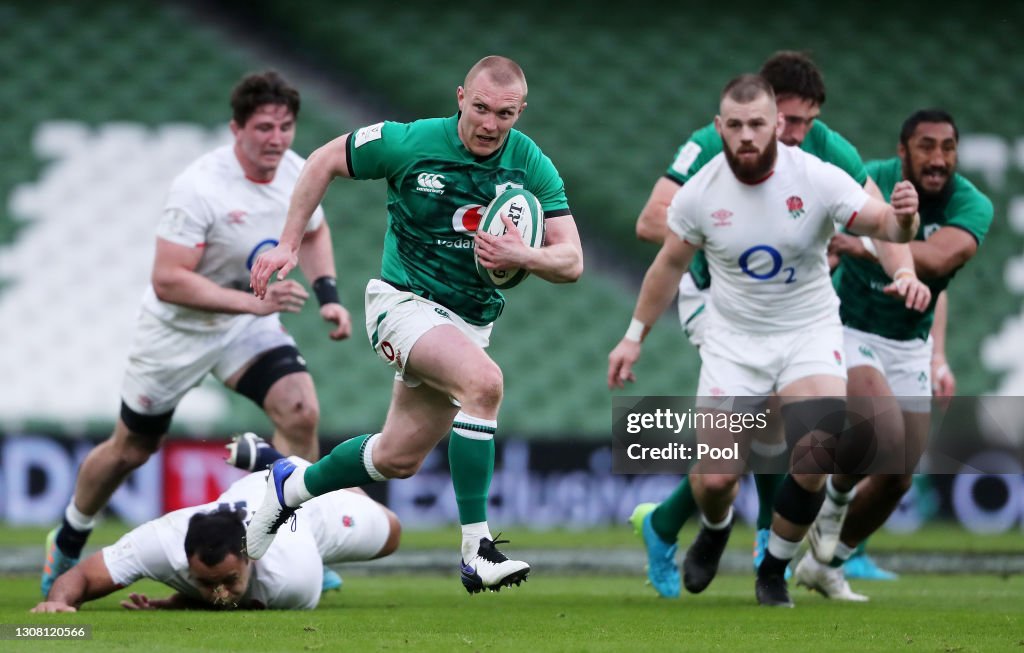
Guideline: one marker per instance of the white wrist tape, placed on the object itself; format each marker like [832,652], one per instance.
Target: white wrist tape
[636,329]
[904,273]
[869,245]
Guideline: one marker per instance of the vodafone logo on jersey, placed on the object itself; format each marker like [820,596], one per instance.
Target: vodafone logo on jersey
[467,219]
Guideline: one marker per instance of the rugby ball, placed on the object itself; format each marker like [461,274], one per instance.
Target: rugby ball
[524,209]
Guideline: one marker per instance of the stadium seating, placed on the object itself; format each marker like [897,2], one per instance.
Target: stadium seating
[612,94]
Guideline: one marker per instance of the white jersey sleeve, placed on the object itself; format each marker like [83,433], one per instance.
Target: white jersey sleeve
[154,550]
[133,557]
[842,196]
[682,218]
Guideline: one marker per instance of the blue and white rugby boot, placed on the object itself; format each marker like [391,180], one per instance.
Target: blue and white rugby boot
[243,451]
[272,513]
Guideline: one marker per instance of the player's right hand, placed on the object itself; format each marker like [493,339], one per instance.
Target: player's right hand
[904,201]
[53,606]
[620,363]
[281,259]
[286,296]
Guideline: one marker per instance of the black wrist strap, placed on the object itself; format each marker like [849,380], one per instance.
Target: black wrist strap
[326,290]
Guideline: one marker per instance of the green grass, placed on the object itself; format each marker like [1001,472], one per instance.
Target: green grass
[935,537]
[550,613]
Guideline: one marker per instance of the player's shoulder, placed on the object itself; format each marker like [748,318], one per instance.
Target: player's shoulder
[215,164]
[707,137]
[890,169]
[701,146]
[828,144]
[206,175]
[792,157]
[965,192]
[715,168]
[393,134]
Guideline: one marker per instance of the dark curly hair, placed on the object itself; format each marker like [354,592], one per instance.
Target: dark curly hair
[257,89]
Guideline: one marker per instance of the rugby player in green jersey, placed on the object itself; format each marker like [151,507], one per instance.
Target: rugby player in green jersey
[888,348]
[800,93]
[429,316]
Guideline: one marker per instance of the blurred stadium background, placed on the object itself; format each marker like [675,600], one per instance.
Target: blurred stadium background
[105,101]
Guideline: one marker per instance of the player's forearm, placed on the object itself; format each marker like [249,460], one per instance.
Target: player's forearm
[316,254]
[659,287]
[557,263]
[74,588]
[894,257]
[900,230]
[652,225]
[187,288]
[933,262]
[309,191]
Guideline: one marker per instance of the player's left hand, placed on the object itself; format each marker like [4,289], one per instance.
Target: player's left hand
[943,381]
[916,293]
[504,252]
[848,245]
[337,314]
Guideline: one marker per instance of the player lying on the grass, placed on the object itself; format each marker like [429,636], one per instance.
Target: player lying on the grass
[198,552]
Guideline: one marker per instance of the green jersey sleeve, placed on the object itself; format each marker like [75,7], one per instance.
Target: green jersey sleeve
[969,209]
[702,146]
[373,150]
[830,146]
[543,180]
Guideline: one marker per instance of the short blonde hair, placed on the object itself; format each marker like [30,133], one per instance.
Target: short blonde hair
[502,71]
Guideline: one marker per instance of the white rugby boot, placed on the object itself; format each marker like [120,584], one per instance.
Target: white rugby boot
[825,580]
[823,535]
[273,512]
[490,569]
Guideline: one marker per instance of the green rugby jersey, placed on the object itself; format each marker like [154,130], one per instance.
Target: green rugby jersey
[705,143]
[437,190]
[859,282]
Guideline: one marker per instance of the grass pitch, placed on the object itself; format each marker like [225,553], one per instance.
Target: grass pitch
[948,614]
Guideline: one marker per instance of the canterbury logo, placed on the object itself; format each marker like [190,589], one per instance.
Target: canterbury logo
[428,182]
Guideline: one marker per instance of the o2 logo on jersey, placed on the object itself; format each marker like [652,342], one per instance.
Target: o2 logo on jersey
[467,219]
[262,246]
[752,263]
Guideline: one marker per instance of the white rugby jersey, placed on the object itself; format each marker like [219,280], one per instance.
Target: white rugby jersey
[766,242]
[288,577]
[213,206]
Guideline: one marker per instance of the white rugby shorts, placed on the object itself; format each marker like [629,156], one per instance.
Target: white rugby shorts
[739,364]
[396,319]
[347,526]
[693,304]
[166,362]
[905,364]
